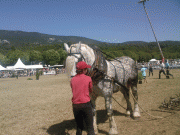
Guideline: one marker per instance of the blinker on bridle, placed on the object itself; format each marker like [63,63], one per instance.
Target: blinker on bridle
[79,59]
[74,54]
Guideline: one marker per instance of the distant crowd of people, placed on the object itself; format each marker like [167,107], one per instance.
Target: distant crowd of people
[55,70]
[163,68]
[29,72]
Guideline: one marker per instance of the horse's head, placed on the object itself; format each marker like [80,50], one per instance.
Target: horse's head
[78,52]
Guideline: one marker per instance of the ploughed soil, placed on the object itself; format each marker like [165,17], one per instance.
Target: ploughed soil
[43,107]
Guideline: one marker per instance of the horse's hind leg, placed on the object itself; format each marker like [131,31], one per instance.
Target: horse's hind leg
[129,107]
[136,113]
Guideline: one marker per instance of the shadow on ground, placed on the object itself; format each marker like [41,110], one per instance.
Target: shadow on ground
[63,127]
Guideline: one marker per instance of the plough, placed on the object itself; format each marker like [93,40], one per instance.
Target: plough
[173,103]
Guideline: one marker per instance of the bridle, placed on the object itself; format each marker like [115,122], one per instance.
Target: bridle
[81,58]
[74,54]
[94,73]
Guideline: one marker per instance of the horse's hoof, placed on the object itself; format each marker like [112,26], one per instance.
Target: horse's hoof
[113,131]
[136,114]
[128,113]
[96,132]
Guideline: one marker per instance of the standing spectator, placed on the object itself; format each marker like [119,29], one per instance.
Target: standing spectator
[150,70]
[167,69]
[143,70]
[56,70]
[47,69]
[162,66]
[81,87]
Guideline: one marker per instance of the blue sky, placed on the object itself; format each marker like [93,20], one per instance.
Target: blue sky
[113,21]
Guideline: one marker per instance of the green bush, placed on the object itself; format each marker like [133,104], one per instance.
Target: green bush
[140,77]
[13,75]
[37,75]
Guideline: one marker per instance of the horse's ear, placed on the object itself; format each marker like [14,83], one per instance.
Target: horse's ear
[79,47]
[66,47]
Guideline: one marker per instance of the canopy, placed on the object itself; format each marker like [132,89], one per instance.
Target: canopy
[19,65]
[2,68]
[153,60]
[12,68]
[58,65]
[33,66]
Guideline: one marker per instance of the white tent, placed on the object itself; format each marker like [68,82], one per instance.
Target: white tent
[19,65]
[34,66]
[153,60]
[12,68]
[2,68]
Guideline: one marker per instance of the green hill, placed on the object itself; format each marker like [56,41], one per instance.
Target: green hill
[16,38]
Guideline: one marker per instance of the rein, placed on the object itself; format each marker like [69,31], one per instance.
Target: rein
[74,54]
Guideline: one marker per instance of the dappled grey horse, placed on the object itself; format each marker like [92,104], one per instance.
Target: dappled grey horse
[122,70]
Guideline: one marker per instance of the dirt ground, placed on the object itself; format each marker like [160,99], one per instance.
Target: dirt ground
[43,107]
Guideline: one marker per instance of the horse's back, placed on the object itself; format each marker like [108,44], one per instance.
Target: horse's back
[125,68]
[125,60]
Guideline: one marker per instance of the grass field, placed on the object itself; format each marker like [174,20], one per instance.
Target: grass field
[43,107]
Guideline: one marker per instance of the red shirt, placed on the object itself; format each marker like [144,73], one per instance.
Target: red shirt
[81,86]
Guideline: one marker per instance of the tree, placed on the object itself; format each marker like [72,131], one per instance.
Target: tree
[25,57]
[35,56]
[142,56]
[156,55]
[134,56]
[51,57]
[13,56]
[108,55]
[118,53]
[3,60]
[62,56]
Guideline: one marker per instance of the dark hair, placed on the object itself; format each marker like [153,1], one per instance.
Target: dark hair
[80,71]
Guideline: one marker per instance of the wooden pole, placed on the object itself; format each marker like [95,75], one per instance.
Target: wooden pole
[153,32]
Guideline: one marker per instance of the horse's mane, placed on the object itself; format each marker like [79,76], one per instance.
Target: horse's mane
[99,66]
[100,61]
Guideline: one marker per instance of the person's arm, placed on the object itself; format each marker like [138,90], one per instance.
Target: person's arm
[90,87]
[90,90]
[71,83]
[160,67]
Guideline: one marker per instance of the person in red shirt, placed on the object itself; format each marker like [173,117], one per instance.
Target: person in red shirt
[81,87]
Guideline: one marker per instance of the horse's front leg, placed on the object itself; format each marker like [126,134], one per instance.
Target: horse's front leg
[93,102]
[136,113]
[112,124]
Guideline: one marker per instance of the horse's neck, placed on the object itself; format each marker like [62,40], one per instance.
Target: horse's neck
[88,54]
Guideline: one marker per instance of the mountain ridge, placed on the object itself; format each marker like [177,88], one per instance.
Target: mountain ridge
[21,37]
